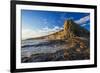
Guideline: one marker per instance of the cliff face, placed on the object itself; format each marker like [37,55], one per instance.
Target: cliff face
[67,29]
[72,29]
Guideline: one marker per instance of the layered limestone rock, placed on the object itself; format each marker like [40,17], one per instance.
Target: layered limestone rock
[71,29]
[67,29]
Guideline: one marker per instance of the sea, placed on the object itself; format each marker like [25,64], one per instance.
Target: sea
[29,47]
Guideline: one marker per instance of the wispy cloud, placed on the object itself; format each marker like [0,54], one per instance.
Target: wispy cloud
[30,33]
[83,25]
[83,20]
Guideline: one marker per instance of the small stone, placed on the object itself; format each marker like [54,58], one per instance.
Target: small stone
[78,50]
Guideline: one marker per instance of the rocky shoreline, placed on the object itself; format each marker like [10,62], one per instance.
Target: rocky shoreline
[78,49]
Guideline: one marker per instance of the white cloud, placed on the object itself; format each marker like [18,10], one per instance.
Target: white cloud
[30,33]
[56,28]
[83,20]
[83,25]
[51,30]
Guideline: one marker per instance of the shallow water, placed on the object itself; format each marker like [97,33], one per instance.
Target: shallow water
[30,47]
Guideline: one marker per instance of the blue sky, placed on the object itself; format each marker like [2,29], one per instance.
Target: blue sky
[39,23]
